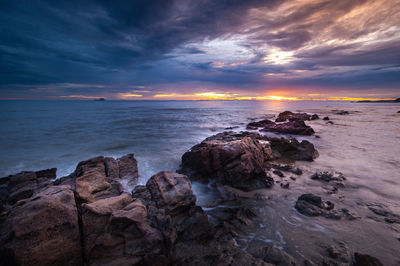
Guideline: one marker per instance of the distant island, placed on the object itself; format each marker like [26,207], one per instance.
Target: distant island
[99,99]
[380,101]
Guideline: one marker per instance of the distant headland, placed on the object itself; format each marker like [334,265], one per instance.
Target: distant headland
[380,101]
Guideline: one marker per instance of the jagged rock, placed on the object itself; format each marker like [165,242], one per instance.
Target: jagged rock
[278,173]
[270,254]
[290,116]
[296,127]
[101,177]
[286,168]
[366,260]
[238,159]
[390,217]
[312,205]
[330,177]
[42,230]
[290,149]
[262,123]
[238,162]
[340,112]
[117,228]
[22,185]
[340,253]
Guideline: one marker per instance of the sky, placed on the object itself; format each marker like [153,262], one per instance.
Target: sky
[200,49]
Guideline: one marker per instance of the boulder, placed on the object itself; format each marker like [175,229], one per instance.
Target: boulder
[336,178]
[238,162]
[295,127]
[258,124]
[366,260]
[290,149]
[312,205]
[42,230]
[22,185]
[290,116]
[340,112]
[239,159]
[326,118]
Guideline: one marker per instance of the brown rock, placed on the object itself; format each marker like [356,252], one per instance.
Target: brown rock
[239,163]
[42,230]
[296,127]
[289,116]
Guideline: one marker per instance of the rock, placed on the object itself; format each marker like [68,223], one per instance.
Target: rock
[286,168]
[340,112]
[296,127]
[312,205]
[270,253]
[330,122]
[262,123]
[230,128]
[330,177]
[22,185]
[339,254]
[118,228]
[287,115]
[390,217]
[285,185]
[366,260]
[42,230]
[398,112]
[290,149]
[278,173]
[293,178]
[238,163]
[171,191]
[326,118]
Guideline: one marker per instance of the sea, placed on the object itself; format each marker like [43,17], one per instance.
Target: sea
[363,145]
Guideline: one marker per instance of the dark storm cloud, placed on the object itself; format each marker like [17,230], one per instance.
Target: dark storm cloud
[153,43]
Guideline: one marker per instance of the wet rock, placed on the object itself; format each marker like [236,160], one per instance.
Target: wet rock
[312,205]
[390,217]
[336,178]
[42,230]
[290,149]
[339,253]
[262,123]
[330,122]
[326,118]
[290,116]
[22,185]
[365,260]
[340,112]
[278,173]
[398,112]
[295,127]
[239,163]
[270,254]
[293,178]
[349,215]
[230,128]
[171,191]
[285,185]
[286,168]
[237,159]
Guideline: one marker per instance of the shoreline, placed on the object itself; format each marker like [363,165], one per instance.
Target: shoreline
[117,176]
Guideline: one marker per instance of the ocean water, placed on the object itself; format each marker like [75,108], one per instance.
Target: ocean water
[364,146]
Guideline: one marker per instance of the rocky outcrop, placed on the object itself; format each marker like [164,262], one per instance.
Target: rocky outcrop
[259,124]
[42,229]
[238,162]
[87,218]
[340,112]
[366,260]
[290,116]
[295,127]
[313,205]
[336,178]
[22,185]
[238,159]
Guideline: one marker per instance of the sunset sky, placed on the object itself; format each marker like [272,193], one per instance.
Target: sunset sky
[200,49]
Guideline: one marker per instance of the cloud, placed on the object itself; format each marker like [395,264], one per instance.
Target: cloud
[219,44]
